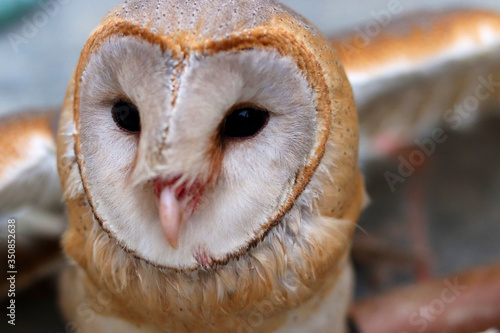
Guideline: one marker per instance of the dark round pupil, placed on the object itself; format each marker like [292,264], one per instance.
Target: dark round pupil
[244,123]
[127,116]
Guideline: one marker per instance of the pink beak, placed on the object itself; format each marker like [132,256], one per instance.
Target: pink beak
[177,203]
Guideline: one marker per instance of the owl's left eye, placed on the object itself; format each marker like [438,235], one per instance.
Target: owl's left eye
[126,116]
[244,122]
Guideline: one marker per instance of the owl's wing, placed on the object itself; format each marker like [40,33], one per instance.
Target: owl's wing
[30,193]
[413,74]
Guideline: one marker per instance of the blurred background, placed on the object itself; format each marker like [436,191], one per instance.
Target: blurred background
[439,222]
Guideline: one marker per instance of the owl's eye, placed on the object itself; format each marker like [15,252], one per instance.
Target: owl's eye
[244,122]
[126,116]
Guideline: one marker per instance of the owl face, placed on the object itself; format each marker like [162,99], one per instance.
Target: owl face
[193,140]
[188,166]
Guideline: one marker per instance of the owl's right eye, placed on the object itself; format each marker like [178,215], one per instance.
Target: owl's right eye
[126,116]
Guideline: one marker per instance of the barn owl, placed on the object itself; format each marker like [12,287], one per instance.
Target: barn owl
[208,157]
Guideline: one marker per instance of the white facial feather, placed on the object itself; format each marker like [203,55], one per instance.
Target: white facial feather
[256,175]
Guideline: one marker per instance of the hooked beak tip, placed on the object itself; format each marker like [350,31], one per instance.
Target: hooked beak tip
[174,242]
[170,216]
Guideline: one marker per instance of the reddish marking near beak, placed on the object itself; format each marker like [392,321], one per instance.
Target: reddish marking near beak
[177,202]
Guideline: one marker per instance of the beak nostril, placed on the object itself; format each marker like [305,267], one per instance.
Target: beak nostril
[160,183]
[186,189]
[180,192]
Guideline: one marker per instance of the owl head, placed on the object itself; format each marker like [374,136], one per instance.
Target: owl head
[198,131]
